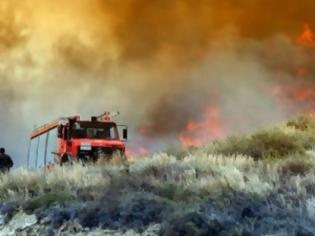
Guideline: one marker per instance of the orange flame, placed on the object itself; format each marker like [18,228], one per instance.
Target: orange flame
[307,38]
[304,94]
[198,133]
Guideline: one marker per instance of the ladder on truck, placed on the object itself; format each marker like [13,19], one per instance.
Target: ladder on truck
[44,129]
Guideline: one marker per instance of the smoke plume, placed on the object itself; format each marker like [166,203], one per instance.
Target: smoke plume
[181,72]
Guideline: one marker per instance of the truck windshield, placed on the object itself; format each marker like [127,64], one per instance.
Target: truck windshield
[94,130]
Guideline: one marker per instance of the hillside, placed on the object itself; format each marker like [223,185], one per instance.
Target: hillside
[244,185]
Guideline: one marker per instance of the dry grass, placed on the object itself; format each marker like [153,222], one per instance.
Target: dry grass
[146,191]
[251,182]
[199,173]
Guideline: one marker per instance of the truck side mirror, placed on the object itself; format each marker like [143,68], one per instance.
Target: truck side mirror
[125,133]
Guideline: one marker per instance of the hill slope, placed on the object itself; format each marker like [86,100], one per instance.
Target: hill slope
[250,185]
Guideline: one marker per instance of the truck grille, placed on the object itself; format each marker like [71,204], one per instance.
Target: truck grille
[96,153]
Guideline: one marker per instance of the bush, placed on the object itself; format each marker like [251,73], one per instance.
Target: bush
[274,143]
[269,143]
[303,123]
[305,139]
[197,223]
[232,146]
[192,224]
[296,136]
[297,166]
[45,201]
[176,193]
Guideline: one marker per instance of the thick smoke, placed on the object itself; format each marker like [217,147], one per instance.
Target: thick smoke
[163,64]
[184,29]
[14,35]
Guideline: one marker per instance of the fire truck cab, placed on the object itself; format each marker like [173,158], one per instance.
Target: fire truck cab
[86,140]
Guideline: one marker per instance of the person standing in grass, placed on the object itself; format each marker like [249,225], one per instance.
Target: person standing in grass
[5,161]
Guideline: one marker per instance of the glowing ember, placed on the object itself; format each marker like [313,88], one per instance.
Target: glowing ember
[197,133]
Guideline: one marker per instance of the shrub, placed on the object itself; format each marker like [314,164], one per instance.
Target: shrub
[176,193]
[303,123]
[273,143]
[46,200]
[269,143]
[196,223]
[297,166]
[305,139]
[232,146]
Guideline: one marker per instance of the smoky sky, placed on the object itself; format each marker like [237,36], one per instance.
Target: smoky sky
[161,63]
[144,29]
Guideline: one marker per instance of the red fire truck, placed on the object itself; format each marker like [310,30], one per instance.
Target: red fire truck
[86,140]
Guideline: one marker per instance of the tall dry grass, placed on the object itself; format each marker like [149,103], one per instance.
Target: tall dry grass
[259,184]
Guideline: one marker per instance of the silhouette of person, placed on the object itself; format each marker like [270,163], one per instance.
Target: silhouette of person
[5,161]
